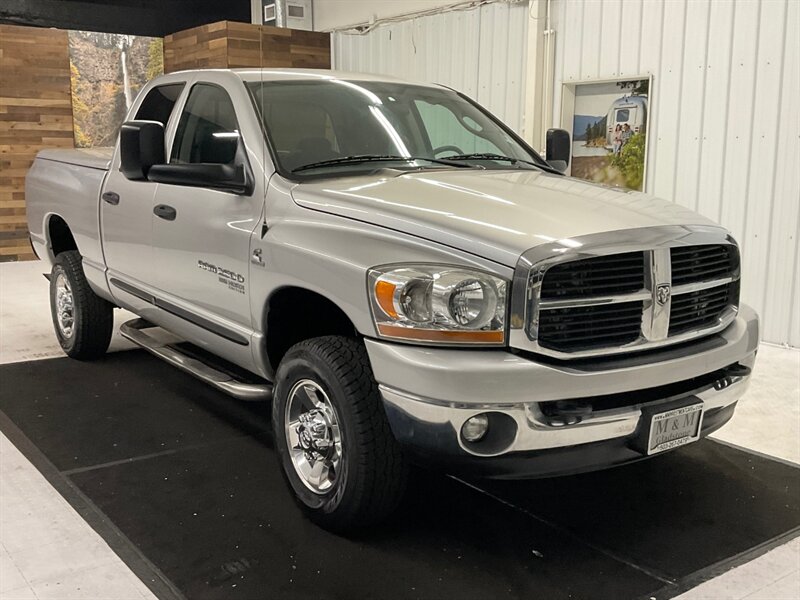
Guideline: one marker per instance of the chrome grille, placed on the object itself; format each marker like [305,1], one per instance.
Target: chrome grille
[584,327]
[601,276]
[703,308]
[597,295]
[701,263]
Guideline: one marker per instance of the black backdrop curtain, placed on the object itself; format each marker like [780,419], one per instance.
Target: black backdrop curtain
[132,17]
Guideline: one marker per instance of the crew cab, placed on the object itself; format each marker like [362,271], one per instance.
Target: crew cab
[400,274]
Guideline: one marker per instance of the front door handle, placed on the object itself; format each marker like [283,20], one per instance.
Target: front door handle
[165,212]
[111,198]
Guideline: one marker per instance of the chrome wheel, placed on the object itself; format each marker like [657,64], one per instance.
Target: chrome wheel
[65,306]
[313,437]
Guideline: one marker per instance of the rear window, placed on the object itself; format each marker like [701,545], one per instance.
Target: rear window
[159,102]
[623,114]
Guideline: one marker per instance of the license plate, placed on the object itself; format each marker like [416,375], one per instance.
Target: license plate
[675,428]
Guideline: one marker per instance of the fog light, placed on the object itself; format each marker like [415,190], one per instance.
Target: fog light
[475,428]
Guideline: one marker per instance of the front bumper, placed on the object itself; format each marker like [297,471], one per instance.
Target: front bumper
[429,393]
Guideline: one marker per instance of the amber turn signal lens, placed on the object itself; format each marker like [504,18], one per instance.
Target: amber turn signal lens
[384,294]
[434,335]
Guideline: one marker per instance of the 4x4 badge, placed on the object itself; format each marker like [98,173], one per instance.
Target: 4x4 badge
[662,293]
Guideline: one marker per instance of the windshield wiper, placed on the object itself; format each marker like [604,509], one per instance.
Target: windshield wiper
[491,156]
[363,158]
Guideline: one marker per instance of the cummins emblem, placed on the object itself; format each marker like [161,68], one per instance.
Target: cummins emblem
[662,293]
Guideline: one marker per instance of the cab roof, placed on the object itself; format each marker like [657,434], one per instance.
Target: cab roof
[281,74]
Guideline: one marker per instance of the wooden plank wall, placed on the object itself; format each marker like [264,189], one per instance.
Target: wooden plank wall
[36,109]
[35,113]
[204,47]
[228,44]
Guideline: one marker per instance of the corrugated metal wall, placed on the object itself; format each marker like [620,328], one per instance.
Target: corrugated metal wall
[725,129]
[480,52]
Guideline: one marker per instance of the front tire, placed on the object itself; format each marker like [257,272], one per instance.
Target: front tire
[83,320]
[334,443]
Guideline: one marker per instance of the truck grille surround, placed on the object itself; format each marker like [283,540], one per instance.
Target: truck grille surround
[598,295]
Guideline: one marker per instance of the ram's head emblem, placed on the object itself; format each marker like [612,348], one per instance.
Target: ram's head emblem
[662,293]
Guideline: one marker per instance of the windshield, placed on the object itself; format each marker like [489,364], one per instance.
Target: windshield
[333,126]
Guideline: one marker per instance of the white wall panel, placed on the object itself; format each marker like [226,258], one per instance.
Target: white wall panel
[689,129]
[630,38]
[760,212]
[609,43]
[592,39]
[725,134]
[333,14]
[783,273]
[480,52]
[715,110]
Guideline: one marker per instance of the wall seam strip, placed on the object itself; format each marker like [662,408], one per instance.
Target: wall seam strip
[721,197]
[680,103]
[701,137]
[743,241]
[794,314]
[600,39]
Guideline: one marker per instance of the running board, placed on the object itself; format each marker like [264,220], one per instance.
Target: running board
[134,331]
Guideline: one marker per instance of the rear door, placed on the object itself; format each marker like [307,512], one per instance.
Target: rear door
[202,236]
[126,209]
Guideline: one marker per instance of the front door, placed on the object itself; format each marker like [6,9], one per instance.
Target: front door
[201,236]
[126,209]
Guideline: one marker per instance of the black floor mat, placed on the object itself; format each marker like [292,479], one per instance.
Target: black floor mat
[674,514]
[187,475]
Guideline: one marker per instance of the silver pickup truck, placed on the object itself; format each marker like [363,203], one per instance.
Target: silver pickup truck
[400,274]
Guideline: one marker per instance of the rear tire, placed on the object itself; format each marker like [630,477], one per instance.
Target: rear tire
[83,321]
[326,397]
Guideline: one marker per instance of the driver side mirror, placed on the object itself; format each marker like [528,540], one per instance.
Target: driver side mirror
[558,150]
[220,163]
[234,178]
[141,145]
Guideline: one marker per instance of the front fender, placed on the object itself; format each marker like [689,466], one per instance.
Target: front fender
[331,255]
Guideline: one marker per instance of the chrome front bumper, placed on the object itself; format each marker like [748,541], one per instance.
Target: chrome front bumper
[429,393]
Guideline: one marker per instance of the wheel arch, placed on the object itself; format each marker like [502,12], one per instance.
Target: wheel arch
[58,235]
[293,314]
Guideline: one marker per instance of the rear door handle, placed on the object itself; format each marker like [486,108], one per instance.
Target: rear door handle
[165,212]
[111,198]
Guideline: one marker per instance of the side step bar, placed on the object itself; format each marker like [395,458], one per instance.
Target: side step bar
[134,331]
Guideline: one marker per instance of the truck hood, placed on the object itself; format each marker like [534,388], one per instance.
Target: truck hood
[494,214]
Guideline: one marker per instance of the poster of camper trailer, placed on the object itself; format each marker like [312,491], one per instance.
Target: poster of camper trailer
[107,70]
[609,130]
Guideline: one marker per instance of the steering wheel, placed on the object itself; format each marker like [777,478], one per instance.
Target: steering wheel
[455,149]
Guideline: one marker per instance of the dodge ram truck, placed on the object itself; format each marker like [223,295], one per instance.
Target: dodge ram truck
[400,274]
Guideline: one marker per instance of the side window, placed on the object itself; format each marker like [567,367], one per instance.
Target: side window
[446,130]
[208,131]
[159,102]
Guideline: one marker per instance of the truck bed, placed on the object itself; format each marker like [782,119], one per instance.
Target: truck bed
[67,184]
[94,158]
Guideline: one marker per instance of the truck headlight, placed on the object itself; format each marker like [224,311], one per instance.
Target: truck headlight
[439,304]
